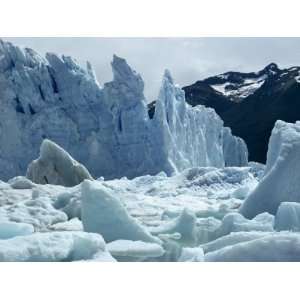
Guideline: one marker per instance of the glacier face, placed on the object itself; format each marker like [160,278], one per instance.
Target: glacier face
[107,128]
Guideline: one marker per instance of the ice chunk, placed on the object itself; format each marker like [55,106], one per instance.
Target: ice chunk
[206,228]
[184,224]
[54,246]
[104,213]
[232,239]
[234,222]
[191,255]
[21,182]
[11,229]
[56,166]
[282,174]
[124,250]
[288,216]
[282,247]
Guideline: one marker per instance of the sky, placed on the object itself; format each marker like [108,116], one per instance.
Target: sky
[188,59]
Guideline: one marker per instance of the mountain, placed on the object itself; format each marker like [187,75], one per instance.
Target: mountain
[105,128]
[251,103]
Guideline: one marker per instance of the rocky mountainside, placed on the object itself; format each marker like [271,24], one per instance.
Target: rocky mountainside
[107,128]
[251,103]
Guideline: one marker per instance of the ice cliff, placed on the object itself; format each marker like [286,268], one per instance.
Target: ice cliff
[107,128]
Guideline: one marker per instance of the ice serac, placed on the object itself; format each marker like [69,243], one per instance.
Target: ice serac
[56,166]
[107,128]
[280,182]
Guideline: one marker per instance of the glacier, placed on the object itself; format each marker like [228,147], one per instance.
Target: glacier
[106,181]
[106,128]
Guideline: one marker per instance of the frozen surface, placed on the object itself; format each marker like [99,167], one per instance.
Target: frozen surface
[56,246]
[108,128]
[280,182]
[284,246]
[288,216]
[56,166]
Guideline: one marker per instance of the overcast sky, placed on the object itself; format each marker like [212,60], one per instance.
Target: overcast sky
[188,59]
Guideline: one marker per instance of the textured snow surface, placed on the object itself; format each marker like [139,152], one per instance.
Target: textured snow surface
[107,129]
[280,182]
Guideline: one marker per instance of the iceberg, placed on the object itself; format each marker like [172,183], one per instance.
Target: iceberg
[56,166]
[102,212]
[107,128]
[280,182]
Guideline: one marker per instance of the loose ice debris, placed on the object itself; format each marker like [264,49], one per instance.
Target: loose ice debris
[282,174]
[72,225]
[191,255]
[51,247]
[234,222]
[184,224]
[288,217]
[232,239]
[56,166]
[124,250]
[103,212]
[283,246]
[11,229]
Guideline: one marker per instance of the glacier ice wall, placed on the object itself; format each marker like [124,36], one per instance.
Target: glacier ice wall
[107,128]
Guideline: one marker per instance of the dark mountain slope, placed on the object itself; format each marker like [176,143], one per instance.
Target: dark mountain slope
[250,103]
